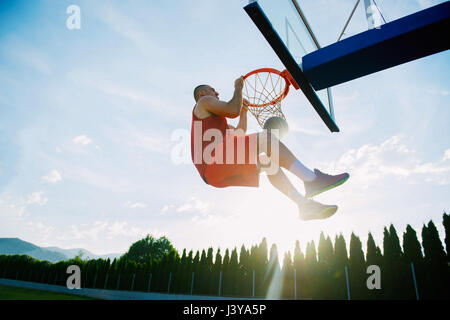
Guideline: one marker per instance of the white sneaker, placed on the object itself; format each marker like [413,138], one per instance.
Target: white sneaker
[312,210]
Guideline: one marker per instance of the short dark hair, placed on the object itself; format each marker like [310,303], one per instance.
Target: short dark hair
[198,89]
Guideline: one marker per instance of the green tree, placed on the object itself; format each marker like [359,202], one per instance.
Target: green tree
[436,264]
[311,266]
[325,255]
[288,277]
[273,274]
[216,269]
[226,280]
[395,270]
[374,257]
[203,273]
[196,270]
[299,266]
[446,223]
[412,253]
[261,267]
[208,271]
[149,247]
[357,270]
[340,262]
[244,277]
[234,273]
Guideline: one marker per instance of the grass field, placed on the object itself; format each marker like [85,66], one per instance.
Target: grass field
[14,293]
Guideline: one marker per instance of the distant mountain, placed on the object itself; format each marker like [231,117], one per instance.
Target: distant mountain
[72,253]
[17,246]
[52,254]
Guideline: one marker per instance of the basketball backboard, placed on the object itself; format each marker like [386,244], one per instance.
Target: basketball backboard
[285,27]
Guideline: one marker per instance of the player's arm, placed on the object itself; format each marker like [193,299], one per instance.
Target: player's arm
[230,109]
[241,128]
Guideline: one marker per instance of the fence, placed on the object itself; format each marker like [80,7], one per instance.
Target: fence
[107,285]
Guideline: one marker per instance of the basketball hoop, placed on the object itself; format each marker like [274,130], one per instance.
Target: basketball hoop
[264,89]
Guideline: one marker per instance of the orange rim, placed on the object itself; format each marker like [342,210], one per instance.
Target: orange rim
[278,97]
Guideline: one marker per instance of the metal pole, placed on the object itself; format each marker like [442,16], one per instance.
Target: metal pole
[220,282]
[305,21]
[348,287]
[415,282]
[149,282]
[106,280]
[170,279]
[295,284]
[192,283]
[349,18]
[253,289]
[118,282]
[132,282]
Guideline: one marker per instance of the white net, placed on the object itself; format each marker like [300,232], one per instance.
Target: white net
[264,92]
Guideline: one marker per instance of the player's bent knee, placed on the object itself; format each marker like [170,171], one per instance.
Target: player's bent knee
[265,165]
[266,139]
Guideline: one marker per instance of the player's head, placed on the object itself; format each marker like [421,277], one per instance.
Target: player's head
[204,90]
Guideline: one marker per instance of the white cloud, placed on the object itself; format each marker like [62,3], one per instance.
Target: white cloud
[82,140]
[194,205]
[141,140]
[104,230]
[167,207]
[36,197]
[11,209]
[446,155]
[98,177]
[392,157]
[121,228]
[93,232]
[45,232]
[52,177]
[148,141]
[135,205]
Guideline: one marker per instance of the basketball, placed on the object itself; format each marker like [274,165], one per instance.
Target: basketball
[279,124]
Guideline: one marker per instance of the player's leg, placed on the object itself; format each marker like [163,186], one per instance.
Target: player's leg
[315,181]
[308,209]
[282,183]
[280,155]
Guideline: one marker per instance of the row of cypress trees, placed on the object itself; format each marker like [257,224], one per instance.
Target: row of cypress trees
[318,273]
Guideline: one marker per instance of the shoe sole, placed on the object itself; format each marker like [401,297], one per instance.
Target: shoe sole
[337,184]
[329,212]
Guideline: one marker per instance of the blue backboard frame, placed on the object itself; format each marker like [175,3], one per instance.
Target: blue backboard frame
[270,34]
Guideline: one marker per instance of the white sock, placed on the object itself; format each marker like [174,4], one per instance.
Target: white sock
[295,196]
[301,171]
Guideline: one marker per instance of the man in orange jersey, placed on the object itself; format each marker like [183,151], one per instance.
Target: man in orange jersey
[234,158]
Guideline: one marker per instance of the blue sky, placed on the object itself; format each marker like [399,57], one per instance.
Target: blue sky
[90,118]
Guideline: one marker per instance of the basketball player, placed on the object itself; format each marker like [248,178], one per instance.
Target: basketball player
[209,119]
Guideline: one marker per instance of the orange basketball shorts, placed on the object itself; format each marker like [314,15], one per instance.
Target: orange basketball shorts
[240,170]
